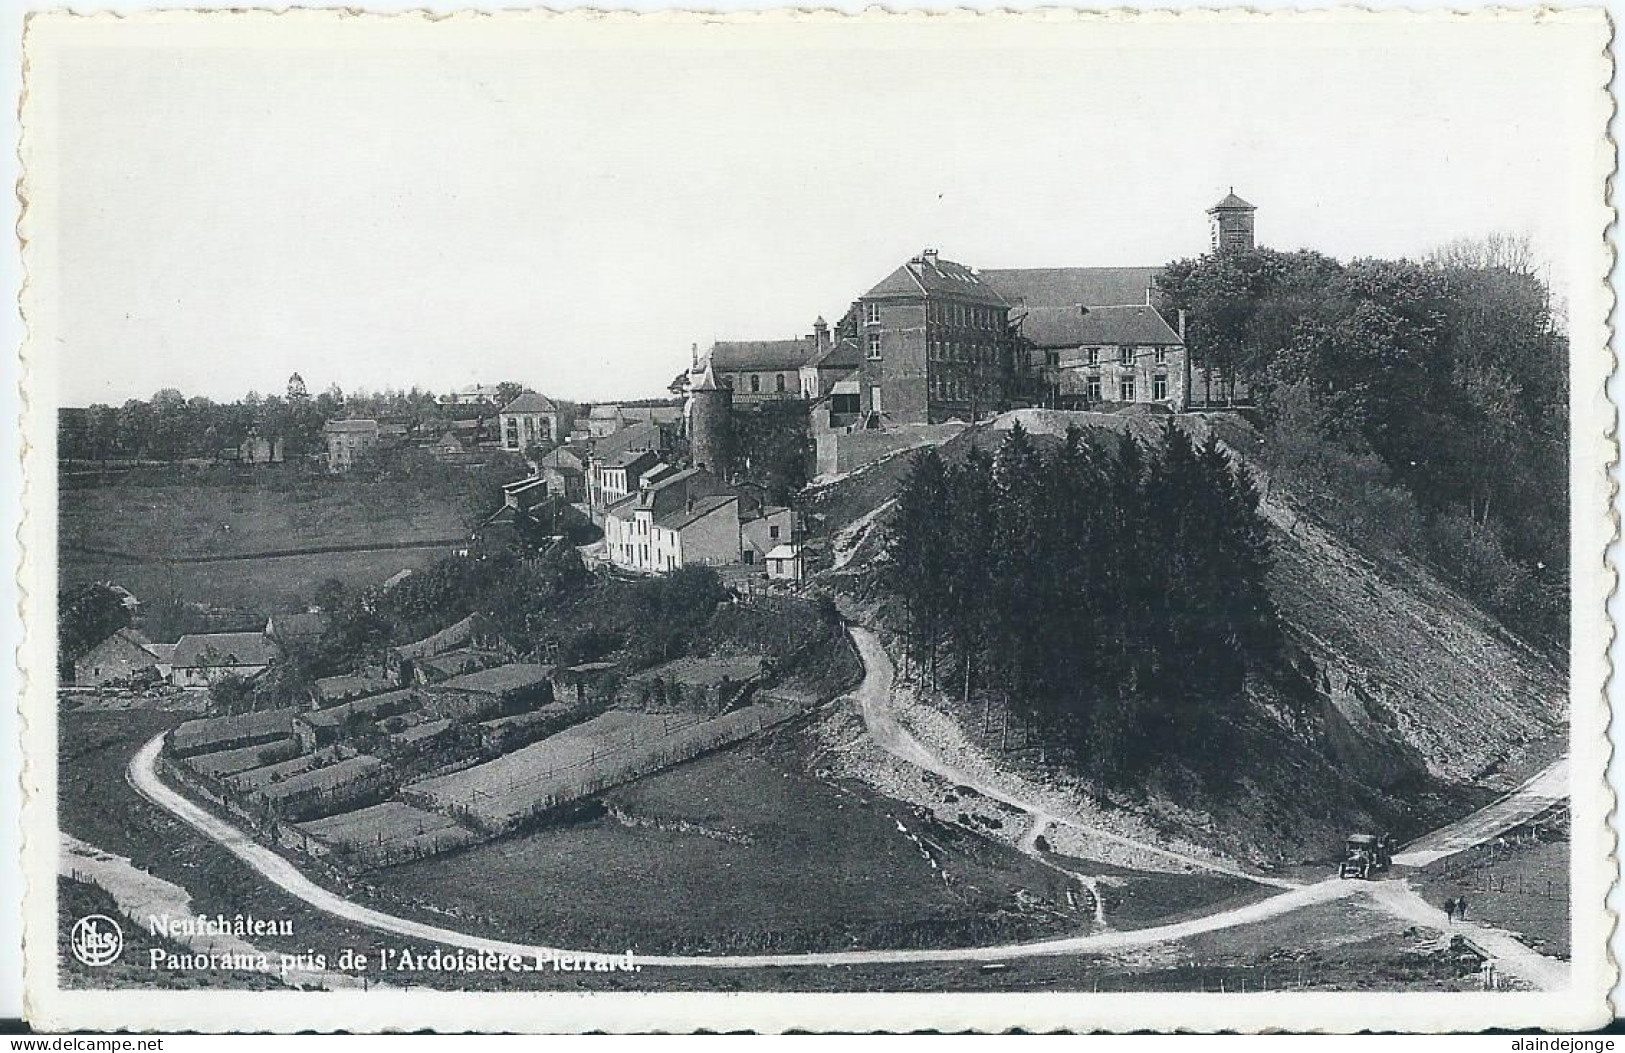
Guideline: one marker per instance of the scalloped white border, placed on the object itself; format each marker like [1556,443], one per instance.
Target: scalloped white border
[1593,449]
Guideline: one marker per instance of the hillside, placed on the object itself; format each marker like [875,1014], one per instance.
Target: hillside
[1402,703]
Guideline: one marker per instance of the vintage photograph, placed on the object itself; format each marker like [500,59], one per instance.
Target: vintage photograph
[1072,521]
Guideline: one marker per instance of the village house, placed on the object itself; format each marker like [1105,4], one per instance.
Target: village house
[784,563]
[321,727]
[690,518]
[473,395]
[434,669]
[121,656]
[348,441]
[526,421]
[617,465]
[565,471]
[201,659]
[603,421]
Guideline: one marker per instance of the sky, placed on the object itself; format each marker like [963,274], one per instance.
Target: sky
[573,205]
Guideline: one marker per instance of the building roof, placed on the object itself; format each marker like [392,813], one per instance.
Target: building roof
[706,671]
[530,402]
[783,552]
[604,413]
[298,624]
[707,381]
[125,638]
[571,457]
[196,650]
[388,703]
[1072,286]
[516,676]
[343,688]
[1071,327]
[732,356]
[930,275]
[455,635]
[652,414]
[463,660]
[842,354]
[162,651]
[351,425]
[1232,201]
[686,516]
[261,723]
[635,439]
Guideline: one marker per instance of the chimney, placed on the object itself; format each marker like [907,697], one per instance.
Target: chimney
[1182,325]
[820,333]
[929,256]
[691,502]
[694,358]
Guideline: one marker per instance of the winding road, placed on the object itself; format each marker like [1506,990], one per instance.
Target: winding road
[873,697]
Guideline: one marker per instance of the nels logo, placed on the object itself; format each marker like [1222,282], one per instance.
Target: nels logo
[96,940]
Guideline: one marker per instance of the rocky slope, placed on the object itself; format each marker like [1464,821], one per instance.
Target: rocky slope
[1402,705]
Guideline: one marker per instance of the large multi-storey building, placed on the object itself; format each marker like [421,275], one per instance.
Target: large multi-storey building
[936,344]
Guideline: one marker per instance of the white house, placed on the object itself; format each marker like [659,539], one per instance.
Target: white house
[527,420]
[200,659]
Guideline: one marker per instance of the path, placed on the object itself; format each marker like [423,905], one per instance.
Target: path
[116,556]
[850,537]
[141,895]
[874,697]
[1511,955]
[1543,791]
[143,776]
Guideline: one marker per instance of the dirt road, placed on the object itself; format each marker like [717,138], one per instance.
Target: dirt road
[872,696]
[1527,801]
[875,703]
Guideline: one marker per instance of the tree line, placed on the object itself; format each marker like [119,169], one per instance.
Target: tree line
[1419,406]
[171,426]
[1112,595]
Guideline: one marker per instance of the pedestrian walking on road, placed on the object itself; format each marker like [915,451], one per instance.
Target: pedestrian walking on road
[1450,909]
[1461,908]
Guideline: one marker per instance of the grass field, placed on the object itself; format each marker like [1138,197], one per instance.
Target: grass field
[730,853]
[1522,887]
[178,520]
[594,755]
[102,527]
[1137,899]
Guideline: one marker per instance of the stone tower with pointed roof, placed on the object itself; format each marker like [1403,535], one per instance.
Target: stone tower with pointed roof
[1231,223]
[710,425]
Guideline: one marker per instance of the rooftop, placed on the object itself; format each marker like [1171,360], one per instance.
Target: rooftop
[1231,201]
[729,356]
[388,703]
[196,650]
[258,724]
[530,402]
[1074,286]
[1071,327]
[929,274]
[517,676]
[351,425]
[687,516]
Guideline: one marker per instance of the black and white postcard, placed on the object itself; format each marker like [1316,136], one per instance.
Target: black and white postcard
[1063,520]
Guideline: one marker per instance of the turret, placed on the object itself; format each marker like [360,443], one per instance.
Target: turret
[710,424]
[1231,224]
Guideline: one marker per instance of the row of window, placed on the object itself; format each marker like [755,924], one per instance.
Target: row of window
[1126,390]
[958,351]
[756,383]
[1125,354]
[963,315]
[950,389]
